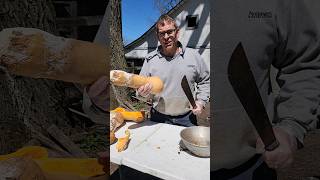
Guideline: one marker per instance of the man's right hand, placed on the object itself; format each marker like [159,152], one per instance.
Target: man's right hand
[145,90]
[282,156]
[199,108]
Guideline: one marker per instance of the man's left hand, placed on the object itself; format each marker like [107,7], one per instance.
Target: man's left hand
[282,156]
[198,110]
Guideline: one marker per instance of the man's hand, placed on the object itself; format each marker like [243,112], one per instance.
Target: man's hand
[145,90]
[282,156]
[198,110]
[103,160]
[98,93]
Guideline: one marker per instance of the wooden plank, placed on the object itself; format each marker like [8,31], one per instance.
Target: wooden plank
[48,143]
[65,141]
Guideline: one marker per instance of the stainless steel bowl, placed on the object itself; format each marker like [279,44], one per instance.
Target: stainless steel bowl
[197,140]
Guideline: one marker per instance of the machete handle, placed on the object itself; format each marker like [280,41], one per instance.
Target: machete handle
[272,146]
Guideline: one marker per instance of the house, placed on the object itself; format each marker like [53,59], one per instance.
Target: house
[193,19]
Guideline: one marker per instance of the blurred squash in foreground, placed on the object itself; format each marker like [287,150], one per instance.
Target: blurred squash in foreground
[86,167]
[33,152]
[59,167]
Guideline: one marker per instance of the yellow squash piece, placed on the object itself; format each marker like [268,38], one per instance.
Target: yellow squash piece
[119,109]
[85,167]
[136,116]
[116,120]
[123,142]
[33,152]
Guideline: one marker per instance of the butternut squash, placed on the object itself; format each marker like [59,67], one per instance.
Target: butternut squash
[33,152]
[123,142]
[86,167]
[34,53]
[116,120]
[21,168]
[122,78]
[136,116]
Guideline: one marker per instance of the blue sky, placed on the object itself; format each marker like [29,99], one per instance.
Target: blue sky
[137,17]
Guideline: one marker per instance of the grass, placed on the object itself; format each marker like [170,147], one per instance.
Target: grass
[139,106]
[94,143]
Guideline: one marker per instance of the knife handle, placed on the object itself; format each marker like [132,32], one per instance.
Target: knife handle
[272,146]
[194,105]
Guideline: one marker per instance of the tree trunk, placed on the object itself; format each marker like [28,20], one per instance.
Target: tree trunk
[119,95]
[28,104]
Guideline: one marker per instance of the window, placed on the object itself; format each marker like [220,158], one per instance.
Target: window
[192,21]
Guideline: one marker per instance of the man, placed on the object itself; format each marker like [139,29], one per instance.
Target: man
[284,34]
[171,61]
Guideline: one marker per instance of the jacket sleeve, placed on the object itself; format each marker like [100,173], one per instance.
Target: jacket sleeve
[298,61]
[94,113]
[203,81]
[145,68]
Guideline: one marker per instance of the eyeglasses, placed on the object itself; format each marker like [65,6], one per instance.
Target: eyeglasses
[169,32]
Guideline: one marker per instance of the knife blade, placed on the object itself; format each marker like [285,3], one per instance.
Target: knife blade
[244,85]
[186,89]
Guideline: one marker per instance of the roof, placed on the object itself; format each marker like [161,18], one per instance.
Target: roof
[133,43]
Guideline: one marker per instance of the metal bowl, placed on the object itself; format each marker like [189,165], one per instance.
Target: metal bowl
[197,140]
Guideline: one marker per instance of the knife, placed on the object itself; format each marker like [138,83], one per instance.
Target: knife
[186,89]
[244,85]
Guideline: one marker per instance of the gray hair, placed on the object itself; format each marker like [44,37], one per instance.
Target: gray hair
[164,18]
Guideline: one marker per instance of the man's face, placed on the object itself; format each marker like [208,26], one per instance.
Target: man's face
[168,37]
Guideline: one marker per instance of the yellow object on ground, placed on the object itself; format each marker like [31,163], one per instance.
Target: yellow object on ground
[87,167]
[83,167]
[33,152]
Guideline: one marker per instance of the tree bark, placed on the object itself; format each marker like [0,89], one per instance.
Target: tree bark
[118,95]
[28,104]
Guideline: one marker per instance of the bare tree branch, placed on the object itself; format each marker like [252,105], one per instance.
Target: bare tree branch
[164,6]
